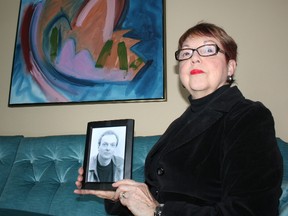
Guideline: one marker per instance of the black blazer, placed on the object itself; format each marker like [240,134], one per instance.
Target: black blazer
[222,161]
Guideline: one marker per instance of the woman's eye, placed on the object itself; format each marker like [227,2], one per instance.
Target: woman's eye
[209,49]
[185,53]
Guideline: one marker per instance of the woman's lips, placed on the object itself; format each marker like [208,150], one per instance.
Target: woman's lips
[196,71]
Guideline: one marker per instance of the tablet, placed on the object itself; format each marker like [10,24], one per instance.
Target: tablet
[108,153]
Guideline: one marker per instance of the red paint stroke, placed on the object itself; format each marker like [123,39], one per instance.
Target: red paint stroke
[25,35]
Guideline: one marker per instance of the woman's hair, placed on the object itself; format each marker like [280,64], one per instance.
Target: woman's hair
[211,30]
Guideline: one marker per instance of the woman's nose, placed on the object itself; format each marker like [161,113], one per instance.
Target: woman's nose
[195,57]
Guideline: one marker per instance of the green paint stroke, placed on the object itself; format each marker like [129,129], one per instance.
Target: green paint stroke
[54,44]
[135,64]
[122,55]
[105,52]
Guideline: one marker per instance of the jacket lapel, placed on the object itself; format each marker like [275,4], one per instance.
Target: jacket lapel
[193,128]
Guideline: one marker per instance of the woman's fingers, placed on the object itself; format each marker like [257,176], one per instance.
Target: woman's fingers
[101,194]
[136,197]
[126,182]
[80,171]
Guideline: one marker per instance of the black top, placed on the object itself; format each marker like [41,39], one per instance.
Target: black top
[199,104]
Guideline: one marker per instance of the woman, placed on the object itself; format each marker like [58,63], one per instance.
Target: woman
[220,157]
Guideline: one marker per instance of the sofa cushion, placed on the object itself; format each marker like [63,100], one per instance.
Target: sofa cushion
[283,208]
[142,146]
[43,178]
[8,149]
[283,146]
[14,212]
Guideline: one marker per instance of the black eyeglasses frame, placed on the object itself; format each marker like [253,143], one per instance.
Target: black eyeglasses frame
[193,50]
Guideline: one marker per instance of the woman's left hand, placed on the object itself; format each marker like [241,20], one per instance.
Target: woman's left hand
[136,197]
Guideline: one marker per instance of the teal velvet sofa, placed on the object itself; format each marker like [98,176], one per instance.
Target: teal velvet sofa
[38,175]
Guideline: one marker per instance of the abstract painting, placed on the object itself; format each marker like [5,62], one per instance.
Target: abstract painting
[83,51]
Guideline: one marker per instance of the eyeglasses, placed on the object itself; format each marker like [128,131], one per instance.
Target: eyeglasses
[204,51]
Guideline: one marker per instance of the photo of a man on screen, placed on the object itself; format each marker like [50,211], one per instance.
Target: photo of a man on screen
[106,166]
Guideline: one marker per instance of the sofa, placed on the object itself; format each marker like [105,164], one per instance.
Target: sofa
[38,175]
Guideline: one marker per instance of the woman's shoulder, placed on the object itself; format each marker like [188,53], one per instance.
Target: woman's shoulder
[248,115]
[247,107]
[248,122]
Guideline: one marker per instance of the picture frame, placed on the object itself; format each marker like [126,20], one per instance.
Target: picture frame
[108,153]
[76,51]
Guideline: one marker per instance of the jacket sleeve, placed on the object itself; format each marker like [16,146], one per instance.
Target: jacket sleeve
[251,169]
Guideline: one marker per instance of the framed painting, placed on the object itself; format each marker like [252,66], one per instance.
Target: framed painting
[108,153]
[79,51]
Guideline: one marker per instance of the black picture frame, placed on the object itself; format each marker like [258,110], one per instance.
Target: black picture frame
[112,141]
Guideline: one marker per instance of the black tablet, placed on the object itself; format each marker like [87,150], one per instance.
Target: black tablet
[108,153]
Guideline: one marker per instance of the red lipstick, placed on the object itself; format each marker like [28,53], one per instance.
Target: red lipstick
[196,71]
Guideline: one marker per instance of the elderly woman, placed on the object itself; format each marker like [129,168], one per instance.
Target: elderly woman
[220,157]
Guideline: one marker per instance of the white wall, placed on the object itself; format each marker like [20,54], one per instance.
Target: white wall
[259,27]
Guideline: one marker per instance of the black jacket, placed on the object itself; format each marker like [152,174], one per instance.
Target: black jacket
[222,161]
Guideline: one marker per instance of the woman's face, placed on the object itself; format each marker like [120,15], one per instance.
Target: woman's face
[203,75]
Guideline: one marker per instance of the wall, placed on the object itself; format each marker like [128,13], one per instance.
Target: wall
[259,27]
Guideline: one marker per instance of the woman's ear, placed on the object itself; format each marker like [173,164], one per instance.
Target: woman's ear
[232,64]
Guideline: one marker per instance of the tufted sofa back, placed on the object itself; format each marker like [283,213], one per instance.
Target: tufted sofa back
[38,174]
[43,176]
[283,207]
[44,172]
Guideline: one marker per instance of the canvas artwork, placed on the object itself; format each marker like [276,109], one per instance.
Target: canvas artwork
[77,51]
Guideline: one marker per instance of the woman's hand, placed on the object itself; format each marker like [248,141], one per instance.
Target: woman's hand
[136,196]
[102,194]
